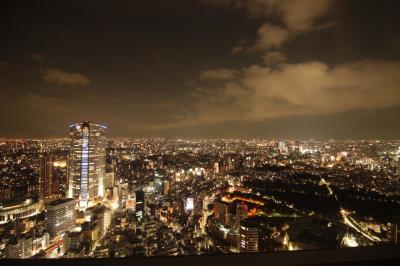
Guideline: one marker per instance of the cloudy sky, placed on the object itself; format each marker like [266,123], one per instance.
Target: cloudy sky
[202,68]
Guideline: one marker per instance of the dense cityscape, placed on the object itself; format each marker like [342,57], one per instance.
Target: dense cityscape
[92,196]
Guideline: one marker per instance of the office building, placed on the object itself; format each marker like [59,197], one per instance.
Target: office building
[248,236]
[86,162]
[221,211]
[71,239]
[60,216]
[107,218]
[241,213]
[109,180]
[140,202]
[46,178]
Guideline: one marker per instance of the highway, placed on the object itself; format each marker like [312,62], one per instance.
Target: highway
[347,219]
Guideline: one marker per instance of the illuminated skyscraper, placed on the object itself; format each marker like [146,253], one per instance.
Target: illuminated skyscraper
[86,162]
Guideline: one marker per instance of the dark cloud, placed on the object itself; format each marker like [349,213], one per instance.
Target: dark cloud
[60,77]
[219,74]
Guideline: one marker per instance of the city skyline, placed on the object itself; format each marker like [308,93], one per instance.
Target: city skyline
[90,196]
[200,129]
[203,69]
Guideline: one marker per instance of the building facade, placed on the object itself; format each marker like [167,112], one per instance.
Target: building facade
[46,179]
[248,237]
[86,162]
[60,216]
[18,209]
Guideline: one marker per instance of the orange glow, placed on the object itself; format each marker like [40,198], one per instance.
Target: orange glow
[241,198]
[252,212]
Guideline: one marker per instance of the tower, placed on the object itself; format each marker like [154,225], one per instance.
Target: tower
[86,162]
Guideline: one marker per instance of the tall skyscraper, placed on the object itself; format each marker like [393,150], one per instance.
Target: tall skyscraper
[86,162]
[46,178]
[60,216]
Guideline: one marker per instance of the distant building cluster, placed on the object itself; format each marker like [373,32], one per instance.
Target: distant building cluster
[93,196]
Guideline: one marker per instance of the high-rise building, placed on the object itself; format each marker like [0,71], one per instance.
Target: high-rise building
[60,216]
[86,162]
[241,213]
[46,178]
[248,236]
[109,180]
[221,211]
[107,218]
[115,194]
[282,147]
[140,203]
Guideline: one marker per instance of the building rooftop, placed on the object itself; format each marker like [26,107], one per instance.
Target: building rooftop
[59,201]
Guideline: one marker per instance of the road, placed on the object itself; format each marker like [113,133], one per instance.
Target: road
[348,220]
[50,251]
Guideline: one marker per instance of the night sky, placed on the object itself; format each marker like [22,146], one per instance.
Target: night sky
[207,68]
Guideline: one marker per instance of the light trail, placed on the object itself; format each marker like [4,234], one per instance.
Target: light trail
[348,220]
[52,247]
[353,224]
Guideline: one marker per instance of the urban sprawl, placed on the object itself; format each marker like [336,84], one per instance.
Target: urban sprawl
[89,195]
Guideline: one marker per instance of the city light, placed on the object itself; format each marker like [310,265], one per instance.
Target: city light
[136,129]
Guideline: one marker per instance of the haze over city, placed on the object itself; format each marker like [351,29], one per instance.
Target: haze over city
[211,68]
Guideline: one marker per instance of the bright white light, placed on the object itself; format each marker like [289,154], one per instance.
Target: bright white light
[350,241]
[77,229]
[114,205]
[189,205]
